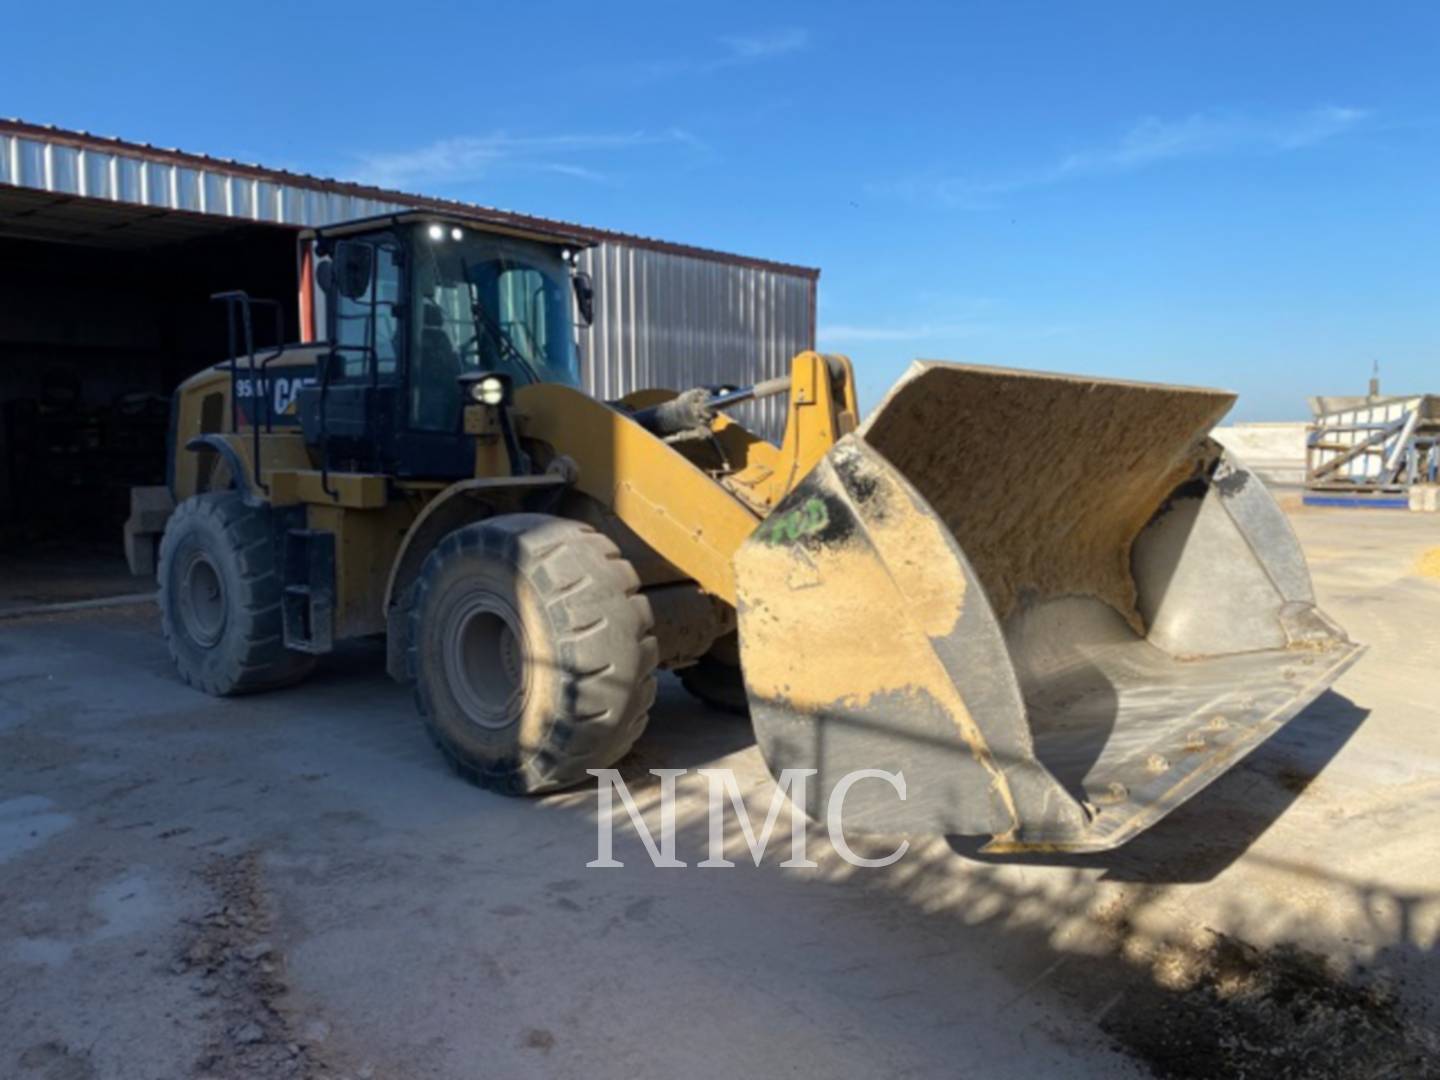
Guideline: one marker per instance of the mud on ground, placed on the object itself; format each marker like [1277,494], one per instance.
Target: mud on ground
[1228,1009]
[234,963]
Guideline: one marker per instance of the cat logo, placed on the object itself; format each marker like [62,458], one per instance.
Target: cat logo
[286,391]
[282,392]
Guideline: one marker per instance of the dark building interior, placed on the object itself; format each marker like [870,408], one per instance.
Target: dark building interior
[104,308]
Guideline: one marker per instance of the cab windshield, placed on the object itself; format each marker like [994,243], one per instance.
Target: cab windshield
[485,303]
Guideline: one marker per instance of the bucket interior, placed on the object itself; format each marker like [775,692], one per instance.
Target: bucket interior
[1111,715]
[1154,603]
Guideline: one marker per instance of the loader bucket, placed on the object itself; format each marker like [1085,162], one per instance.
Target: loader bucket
[1051,603]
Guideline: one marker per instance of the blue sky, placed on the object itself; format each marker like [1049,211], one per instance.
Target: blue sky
[1244,195]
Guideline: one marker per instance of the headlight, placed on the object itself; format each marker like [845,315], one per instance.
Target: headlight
[437,232]
[488,391]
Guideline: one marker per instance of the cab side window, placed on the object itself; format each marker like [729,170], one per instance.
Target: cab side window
[367,312]
[524,294]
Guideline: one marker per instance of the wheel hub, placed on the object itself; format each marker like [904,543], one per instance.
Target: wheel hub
[485,660]
[203,607]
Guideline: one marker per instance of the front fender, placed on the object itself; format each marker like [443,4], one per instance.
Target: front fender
[459,504]
[239,470]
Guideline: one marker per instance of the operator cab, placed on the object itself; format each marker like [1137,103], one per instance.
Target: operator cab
[409,305]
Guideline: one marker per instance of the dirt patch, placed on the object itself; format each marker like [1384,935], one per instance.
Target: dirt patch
[1428,565]
[1293,779]
[57,1061]
[1229,1009]
[233,961]
[539,1039]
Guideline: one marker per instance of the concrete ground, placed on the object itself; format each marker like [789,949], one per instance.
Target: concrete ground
[294,885]
[75,574]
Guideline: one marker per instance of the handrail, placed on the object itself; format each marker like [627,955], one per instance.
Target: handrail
[239,298]
[325,366]
[325,371]
[258,368]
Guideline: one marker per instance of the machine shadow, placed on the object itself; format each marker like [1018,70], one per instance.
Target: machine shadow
[1193,844]
[686,733]
[1020,946]
[919,941]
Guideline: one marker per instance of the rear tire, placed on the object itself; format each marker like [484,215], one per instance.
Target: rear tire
[220,592]
[716,678]
[532,652]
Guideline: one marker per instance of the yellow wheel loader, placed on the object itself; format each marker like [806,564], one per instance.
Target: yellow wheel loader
[1051,603]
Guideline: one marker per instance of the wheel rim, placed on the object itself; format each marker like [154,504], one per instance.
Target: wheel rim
[485,661]
[202,599]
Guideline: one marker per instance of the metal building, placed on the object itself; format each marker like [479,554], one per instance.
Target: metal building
[110,249]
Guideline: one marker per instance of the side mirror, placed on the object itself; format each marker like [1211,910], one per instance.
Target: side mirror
[325,275]
[354,267]
[584,296]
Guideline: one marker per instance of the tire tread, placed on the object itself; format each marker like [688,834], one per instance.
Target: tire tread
[590,594]
[255,659]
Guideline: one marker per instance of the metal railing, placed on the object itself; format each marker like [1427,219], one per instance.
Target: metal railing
[241,302]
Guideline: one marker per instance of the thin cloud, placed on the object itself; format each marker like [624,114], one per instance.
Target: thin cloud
[1150,142]
[1154,140]
[870,333]
[577,172]
[469,158]
[842,332]
[747,48]
[735,50]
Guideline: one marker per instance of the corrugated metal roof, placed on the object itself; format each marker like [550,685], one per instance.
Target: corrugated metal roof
[669,314]
[77,163]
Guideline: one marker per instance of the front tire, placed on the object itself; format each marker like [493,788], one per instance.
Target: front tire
[532,652]
[220,592]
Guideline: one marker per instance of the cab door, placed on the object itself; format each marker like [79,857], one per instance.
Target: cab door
[431,440]
[354,412]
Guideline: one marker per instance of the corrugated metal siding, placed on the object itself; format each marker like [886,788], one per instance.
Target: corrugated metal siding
[671,321]
[662,318]
[126,177]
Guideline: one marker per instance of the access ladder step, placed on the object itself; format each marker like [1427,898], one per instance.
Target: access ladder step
[307,605]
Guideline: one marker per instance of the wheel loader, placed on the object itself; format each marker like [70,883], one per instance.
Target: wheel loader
[1052,603]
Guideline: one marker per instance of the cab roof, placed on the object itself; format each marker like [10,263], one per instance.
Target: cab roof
[473,222]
